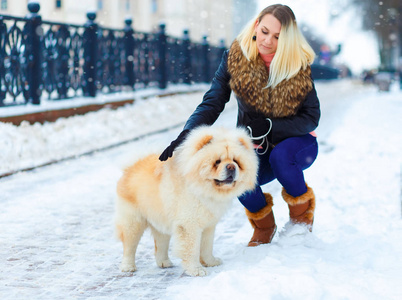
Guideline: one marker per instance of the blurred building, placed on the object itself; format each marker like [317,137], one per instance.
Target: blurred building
[217,19]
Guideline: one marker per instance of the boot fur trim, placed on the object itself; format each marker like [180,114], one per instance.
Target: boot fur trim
[263,211]
[307,196]
[289,199]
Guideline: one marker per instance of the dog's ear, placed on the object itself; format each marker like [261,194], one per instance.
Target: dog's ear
[245,143]
[203,141]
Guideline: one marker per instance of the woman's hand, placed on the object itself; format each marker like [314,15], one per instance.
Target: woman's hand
[168,152]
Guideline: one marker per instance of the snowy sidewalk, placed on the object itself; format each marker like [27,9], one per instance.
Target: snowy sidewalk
[56,229]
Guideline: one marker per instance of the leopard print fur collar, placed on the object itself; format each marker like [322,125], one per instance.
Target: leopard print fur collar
[248,79]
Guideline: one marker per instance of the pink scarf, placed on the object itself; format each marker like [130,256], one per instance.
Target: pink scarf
[267,59]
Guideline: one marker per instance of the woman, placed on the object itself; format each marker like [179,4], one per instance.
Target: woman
[268,69]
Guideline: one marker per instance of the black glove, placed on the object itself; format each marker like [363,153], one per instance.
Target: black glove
[259,130]
[169,150]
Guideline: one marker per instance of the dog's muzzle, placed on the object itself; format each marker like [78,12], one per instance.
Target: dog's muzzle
[230,175]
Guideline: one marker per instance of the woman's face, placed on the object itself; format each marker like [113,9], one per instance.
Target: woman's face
[267,34]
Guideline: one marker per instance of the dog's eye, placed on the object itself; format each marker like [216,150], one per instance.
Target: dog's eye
[217,162]
[237,162]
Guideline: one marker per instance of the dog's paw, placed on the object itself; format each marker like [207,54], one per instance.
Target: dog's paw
[211,262]
[127,267]
[167,263]
[196,271]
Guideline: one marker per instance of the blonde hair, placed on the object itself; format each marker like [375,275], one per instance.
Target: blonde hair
[293,52]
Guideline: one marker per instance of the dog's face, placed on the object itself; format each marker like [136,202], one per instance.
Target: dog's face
[218,162]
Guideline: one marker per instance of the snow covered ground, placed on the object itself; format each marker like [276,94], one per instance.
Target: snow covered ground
[56,229]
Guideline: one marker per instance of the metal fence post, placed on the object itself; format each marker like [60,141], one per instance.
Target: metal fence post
[129,78]
[222,49]
[215,64]
[33,54]
[62,77]
[186,54]
[3,89]
[162,56]
[90,44]
[205,59]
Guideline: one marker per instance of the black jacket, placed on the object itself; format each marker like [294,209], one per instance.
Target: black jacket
[304,121]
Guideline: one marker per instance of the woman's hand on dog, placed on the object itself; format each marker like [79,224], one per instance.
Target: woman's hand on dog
[168,152]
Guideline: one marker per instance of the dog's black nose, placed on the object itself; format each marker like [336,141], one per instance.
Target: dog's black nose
[230,167]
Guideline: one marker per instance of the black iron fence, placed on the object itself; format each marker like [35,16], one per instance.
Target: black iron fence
[57,60]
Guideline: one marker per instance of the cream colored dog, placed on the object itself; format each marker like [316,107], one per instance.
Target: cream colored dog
[184,197]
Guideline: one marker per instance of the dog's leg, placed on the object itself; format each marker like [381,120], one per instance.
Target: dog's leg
[187,247]
[207,259]
[161,248]
[130,235]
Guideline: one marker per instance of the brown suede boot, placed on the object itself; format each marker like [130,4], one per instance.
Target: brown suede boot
[301,208]
[263,222]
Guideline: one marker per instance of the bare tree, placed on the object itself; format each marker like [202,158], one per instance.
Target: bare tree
[384,18]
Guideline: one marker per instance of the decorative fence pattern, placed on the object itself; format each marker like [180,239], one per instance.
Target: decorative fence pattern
[61,60]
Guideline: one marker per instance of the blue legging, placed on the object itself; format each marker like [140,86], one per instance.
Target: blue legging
[286,163]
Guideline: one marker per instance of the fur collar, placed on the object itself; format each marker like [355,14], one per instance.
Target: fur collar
[248,79]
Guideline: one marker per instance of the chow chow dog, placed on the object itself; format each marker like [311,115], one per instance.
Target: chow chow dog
[184,197]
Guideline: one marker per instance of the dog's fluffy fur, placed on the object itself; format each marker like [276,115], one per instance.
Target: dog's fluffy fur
[184,197]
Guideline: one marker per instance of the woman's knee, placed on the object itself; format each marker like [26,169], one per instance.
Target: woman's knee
[307,156]
[294,151]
